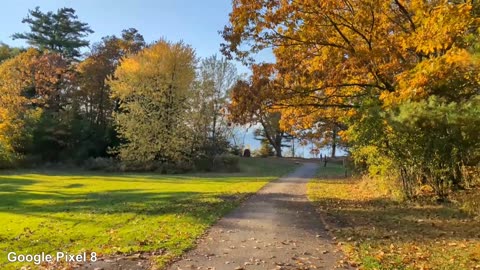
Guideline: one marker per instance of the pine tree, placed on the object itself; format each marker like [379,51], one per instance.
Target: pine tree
[59,32]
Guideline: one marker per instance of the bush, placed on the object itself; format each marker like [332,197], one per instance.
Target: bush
[204,164]
[220,163]
[31,161]
[383,186]
[8,160]
[178,167]
[470,175]
[137,166]
[6,164]
[227,163]
[100,163]
[469,201]
[154,166]
[235,150]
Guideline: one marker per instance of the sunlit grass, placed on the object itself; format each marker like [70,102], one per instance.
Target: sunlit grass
[376,232]
[119,213]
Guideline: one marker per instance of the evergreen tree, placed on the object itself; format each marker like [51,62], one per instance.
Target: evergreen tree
[59,32]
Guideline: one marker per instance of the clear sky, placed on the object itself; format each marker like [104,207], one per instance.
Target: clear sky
[196,22]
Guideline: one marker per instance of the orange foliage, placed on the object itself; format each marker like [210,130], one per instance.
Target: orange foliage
[332,54]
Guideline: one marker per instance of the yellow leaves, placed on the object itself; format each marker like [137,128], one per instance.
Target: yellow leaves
[441,76]
[161,64]
[363,42]
[159,67]
[439,26]
[6,127]
[129,68]
[129,65]
[15,75]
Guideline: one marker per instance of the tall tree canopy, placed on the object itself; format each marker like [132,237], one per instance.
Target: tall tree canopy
[34,86]
[100,65]
[153,87]
[60,32]
[15,77]
[332,53]
[251,103]
[216,77]
[93,96]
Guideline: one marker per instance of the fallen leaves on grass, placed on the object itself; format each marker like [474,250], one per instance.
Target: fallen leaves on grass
[379,233]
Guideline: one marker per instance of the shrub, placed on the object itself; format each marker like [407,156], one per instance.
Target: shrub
[382,186]
[31,161]
[471,175]
[203,164]
[100,163]
[170,168]
[220,163]
[235,150]
[227,163]
[8,159]
[154,166]
[469,201]
[139,166]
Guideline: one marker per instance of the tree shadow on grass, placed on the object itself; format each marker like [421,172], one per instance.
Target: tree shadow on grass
[108,209]
[12,185]
[131,201]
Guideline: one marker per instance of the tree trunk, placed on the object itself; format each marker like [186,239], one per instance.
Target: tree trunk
[293,147]
[275,142]
[278,150]
[334,141]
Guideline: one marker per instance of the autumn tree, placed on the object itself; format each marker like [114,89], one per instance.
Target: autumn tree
[100,65]
[37,99]
[153,87]
[58,37]
[251,103]
[34,86]
[15,77]
[322,126]
[7,52]
[333,58]
[92,99]
[59,32]
[53,82]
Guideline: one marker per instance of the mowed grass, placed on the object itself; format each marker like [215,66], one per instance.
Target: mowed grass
[376,232]
[120,213]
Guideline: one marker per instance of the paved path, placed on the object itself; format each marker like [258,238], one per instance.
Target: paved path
[275,229]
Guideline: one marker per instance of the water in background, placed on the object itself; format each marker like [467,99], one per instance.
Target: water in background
[300,151]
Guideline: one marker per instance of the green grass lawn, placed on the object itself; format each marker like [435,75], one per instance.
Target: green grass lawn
[119,213]
[376,232]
